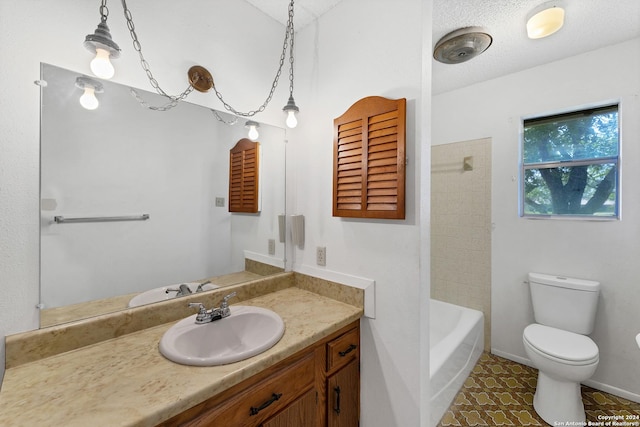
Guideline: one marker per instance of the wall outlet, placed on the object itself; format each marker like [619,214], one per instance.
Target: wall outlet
[321,255]
[272,247]
[219,202]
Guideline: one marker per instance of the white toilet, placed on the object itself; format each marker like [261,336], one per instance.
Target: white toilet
[565,311]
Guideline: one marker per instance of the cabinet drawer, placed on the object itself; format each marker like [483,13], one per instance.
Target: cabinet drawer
[343,349]
[259,402]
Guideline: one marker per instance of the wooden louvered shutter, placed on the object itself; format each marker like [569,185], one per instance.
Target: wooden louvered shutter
[369,159]
[244,170]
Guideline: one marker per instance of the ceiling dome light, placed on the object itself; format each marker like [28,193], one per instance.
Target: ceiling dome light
[545,20]
[462,45]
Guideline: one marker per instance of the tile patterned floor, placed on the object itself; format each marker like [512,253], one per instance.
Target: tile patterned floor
[500,392]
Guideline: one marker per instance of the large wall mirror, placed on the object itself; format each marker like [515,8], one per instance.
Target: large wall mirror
[135,201]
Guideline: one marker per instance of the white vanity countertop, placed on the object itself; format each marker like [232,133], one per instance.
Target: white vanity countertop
[126,381]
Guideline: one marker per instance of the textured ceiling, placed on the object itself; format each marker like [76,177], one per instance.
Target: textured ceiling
[589,24]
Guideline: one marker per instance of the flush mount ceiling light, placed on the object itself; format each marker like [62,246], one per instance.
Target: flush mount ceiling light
[90,87]
[545,20]
[101,44]
[462,45]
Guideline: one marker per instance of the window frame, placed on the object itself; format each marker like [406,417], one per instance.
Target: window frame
[616,160]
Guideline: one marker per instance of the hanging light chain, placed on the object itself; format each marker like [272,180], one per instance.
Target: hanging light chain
[231,122]
[291,29]
[145,66]
[174,100]
[285,45]
[169,105]
[104,11]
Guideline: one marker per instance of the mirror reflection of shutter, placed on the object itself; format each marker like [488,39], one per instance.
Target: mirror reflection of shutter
[369,159]
[244,163]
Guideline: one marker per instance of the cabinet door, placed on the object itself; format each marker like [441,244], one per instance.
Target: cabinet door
[343,400]
[300,413]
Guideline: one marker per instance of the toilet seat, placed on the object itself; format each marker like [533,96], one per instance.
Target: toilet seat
[563,346]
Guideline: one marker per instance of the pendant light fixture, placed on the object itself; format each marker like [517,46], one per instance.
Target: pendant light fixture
[102,45]
[200,79]
[291,108]
[253,129]
[90,87]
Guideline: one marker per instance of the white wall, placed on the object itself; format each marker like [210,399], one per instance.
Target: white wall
[173,39]
[363,48]
[603,251]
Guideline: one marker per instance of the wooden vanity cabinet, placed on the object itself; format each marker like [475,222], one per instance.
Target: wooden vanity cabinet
[317,387]
[343,380]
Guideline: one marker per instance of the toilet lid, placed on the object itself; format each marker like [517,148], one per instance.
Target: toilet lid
[561,344]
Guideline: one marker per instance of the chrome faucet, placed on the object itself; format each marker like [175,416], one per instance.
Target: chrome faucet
[207,316]
[184,289]
[181,291]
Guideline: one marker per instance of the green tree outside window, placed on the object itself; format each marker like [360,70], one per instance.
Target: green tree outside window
[570,164]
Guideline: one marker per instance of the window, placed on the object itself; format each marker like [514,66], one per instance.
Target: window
[570,164]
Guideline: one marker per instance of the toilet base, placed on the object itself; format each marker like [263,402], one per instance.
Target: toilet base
[558,401]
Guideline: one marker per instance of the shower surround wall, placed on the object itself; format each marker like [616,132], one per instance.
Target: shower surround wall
[461,226]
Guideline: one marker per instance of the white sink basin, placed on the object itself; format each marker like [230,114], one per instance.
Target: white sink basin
[248,331]
[161,294]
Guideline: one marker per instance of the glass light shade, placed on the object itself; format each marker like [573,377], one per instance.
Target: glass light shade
[292,121]
[545,22]
[101,65]
[88,99]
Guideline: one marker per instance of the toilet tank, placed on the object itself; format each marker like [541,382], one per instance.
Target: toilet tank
[563,302]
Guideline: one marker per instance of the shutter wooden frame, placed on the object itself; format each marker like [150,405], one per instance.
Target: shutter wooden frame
[244,173]
[369,152]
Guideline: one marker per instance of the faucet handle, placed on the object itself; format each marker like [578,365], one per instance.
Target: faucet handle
[225,300]
[201,308]
[199,289]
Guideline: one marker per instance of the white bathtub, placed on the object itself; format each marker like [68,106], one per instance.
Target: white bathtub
[456,336]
